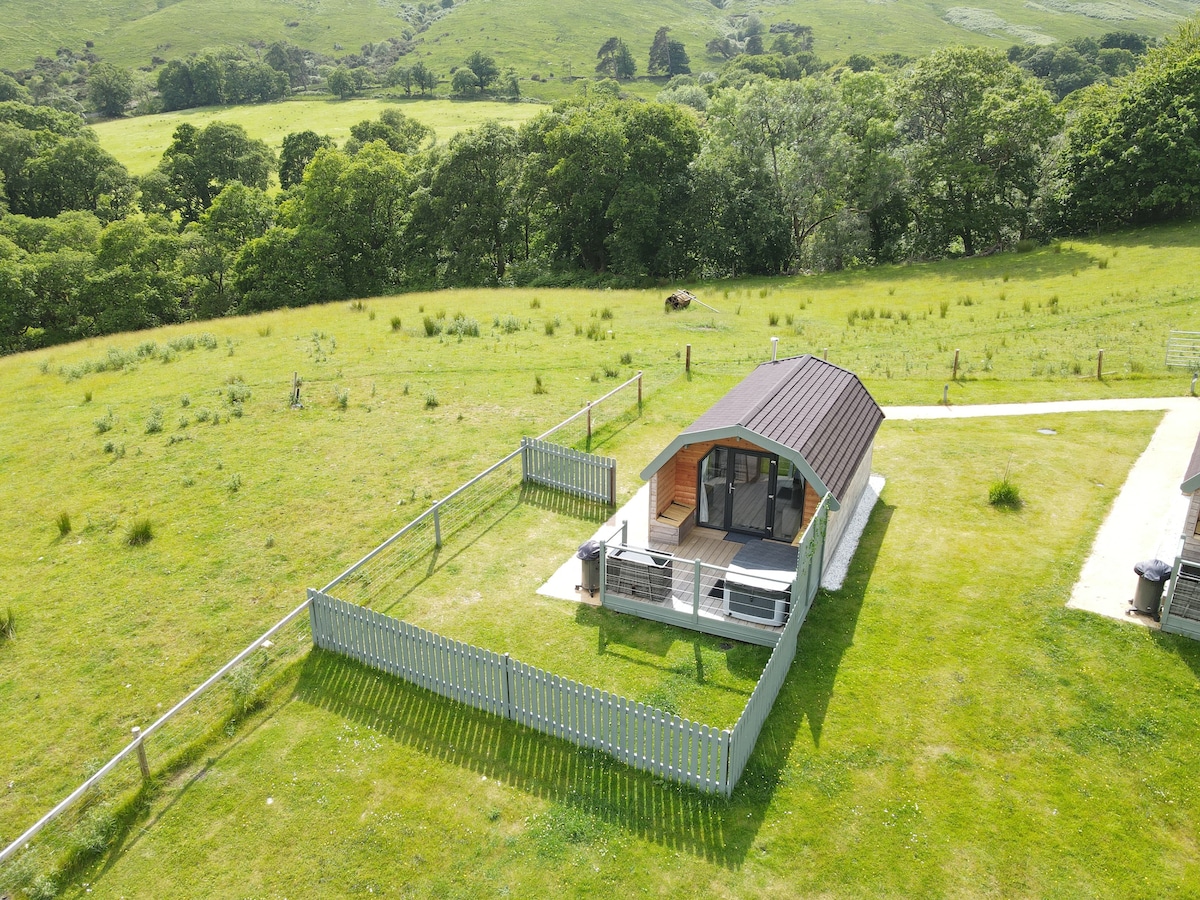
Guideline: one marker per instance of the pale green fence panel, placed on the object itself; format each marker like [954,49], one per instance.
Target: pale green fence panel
[638,735]
[572,471]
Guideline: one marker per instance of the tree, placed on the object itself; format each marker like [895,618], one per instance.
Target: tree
[400,75]
[401,133]
[464,83]
[110,88]
[359,203]
[10,89]
[1133,150]
[237,216]
[465,228]
[297,151]
[660,52]
[424,78]
[76,173]
[667,57]
[175,86]
[615,60]
[791,132]
[342,83]
[979,131]
[484,69]
[199,163]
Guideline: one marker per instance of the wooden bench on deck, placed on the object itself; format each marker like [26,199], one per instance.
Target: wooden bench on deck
[673,524]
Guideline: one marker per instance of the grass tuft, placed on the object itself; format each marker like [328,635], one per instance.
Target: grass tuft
[1004,494]
[63,521]
[8,625]
[139,533]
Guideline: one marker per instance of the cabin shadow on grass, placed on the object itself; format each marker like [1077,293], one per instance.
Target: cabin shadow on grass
[829,633]
[590,781]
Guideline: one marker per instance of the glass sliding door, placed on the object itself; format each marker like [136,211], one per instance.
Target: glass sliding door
[789,502]
[736,491]
[713,488]
[750,492]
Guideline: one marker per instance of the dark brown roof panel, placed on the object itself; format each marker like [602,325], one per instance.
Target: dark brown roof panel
[820,410]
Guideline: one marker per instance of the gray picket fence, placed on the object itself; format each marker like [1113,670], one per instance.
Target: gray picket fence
[572,471]
[638,735]
[804,590]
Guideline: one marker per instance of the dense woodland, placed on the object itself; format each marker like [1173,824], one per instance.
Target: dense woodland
[778,164]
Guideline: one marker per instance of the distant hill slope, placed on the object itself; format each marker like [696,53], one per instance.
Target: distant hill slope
[550,37]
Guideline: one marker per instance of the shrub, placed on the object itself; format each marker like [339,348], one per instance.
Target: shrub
[105,423]
[1026,245]
[203,414]
[432,327]
[139,533]
[154,424]
[185,401]
[773,319]
[535,303]
[87,396]
[510,324]
[431,400]
[943,308]
[1004,494]
[626,359]
[606,313]
[395,323]
[341,397]
[265,331]
[234,484]
[538,387]
[63,521]
[463,326]
[549,329]
[238,391]
[610,372]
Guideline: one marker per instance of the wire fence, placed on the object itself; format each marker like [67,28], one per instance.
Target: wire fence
[103,810]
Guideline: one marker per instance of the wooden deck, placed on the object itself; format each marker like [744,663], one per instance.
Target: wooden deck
[710,547]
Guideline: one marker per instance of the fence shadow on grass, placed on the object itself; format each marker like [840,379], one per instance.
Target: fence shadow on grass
[671,815]
[829,632]
[565,504]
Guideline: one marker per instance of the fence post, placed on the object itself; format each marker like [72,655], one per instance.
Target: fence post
[696,593]
[1100,366]
[437,526]
[612,485]
[524,460]
[589,425]
[954,373]
[507,688]
[141,753]
[625,532]
[687,362]
[603,570]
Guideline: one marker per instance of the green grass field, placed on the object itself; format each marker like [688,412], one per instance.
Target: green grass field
[944,711]
[139,142]
[549,39]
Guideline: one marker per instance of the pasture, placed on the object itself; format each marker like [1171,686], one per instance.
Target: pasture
[139,142]
[551,40]
[948,727]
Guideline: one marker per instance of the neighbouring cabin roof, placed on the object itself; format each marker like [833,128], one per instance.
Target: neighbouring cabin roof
[1191,478]
[811,412]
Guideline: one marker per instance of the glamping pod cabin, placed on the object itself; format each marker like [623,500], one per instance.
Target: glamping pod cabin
[1180,613]
[761,459]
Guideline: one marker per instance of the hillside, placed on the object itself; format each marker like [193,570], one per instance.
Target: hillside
[548,39]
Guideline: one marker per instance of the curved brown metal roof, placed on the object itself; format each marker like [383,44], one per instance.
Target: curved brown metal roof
[808,406]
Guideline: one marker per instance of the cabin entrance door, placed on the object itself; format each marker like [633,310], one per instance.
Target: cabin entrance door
[737,490]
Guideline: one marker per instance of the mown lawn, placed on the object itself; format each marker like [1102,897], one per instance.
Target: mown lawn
[949,728]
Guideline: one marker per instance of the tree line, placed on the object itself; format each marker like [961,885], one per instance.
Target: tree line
[962,152]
